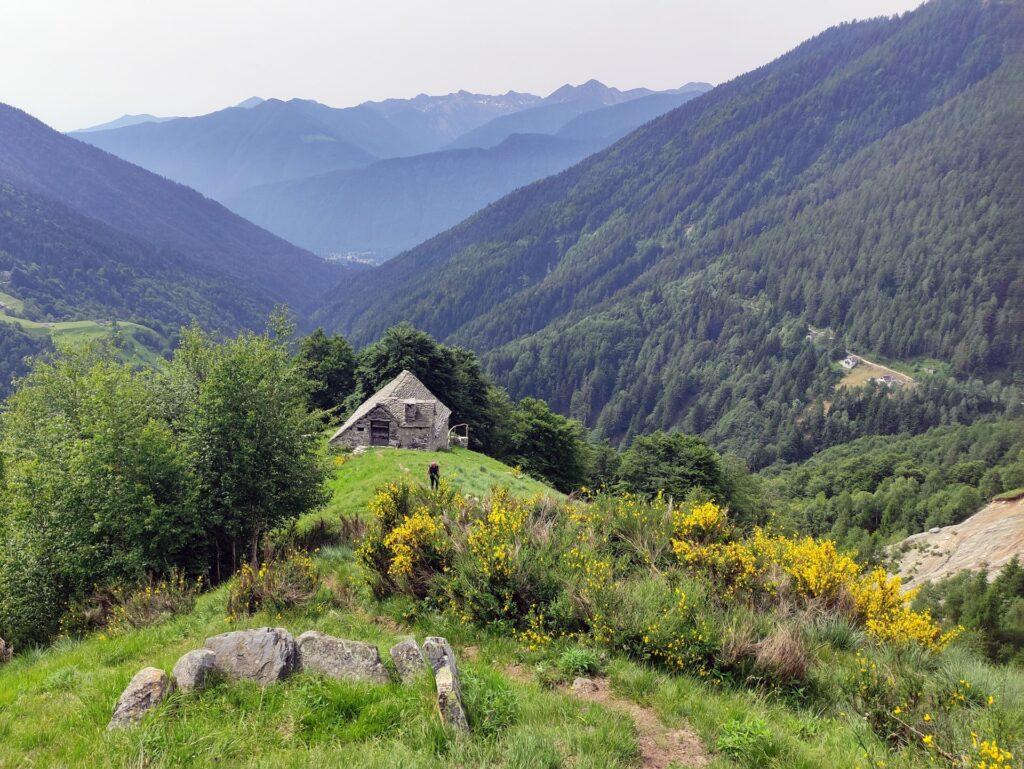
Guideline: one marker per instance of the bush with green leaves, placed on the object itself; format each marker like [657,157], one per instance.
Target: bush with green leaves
[113,476]
[96,489]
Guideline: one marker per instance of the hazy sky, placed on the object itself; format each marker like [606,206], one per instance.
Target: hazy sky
[74,63]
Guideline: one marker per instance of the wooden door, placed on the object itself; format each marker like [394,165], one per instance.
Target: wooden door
[380,432]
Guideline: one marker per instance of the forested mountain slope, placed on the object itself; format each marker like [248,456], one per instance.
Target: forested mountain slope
[869,181]
[85,234]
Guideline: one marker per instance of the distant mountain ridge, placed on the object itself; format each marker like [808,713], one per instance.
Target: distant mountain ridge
[867,181]
[309,172]
[224,152]
[85,234]
[391,205]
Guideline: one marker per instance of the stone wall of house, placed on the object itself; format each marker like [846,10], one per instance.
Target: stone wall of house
[359,433]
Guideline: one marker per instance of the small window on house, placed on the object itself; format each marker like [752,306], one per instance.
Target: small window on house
[360,429]
[412,411]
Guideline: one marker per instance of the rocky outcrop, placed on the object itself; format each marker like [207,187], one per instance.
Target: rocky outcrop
[193,669]
[408,659]
[989,539]
[446,678]
[449,698]
[265,654]
[341,658]
[440,653]
[147,689]
[270,654]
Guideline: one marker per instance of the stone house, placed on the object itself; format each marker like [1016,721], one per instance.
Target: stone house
[403,414]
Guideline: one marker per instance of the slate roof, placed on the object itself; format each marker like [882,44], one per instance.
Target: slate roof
[392,397]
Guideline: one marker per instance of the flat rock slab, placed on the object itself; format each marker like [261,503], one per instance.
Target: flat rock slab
[408,659]
[265,654]
[147,689]
[449,698]
[440,653]
[341,658]
[193,669]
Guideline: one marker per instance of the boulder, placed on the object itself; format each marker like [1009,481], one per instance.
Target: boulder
[584,685]
[440,653]
[408,659]
[449,698]
[192,670]
[265,654]
[147,689]
[341,658]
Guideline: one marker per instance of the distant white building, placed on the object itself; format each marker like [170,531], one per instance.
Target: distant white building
[849,361]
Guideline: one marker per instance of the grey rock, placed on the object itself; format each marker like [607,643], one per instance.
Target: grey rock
[583,685]
[6,651]
[439,652]
[264,654]
[449,698]
[147,689]
[341,658]
[408,659]
[192,670]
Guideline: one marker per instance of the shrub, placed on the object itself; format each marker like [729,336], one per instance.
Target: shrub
[407,543]
[119,609]
[654,621]
[510,564]
[808,571]
[276,586]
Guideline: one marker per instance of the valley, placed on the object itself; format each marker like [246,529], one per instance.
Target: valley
[510,417]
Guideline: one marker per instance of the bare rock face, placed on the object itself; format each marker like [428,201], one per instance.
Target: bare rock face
[147,689]
[192,671]
[449,698]
[408,660]
[440,653]
[265,654]
[341,658]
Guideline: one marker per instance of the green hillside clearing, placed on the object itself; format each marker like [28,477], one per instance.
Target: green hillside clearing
[359,475]
[473,473]
[79,332]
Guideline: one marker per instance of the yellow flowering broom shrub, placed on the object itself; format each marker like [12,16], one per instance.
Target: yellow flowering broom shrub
[275,586]
[408,542]
[812,570]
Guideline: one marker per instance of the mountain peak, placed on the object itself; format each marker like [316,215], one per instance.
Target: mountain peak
[252,101]
[569,91]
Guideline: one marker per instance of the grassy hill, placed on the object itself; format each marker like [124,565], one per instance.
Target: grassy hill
[55,703]
[359,475]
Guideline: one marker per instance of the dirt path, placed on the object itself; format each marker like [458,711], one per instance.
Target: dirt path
[659,745]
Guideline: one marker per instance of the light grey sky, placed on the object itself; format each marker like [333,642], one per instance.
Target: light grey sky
[74,63]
